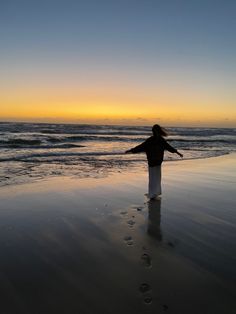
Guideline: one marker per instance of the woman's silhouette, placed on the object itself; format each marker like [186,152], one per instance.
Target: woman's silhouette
[154,148]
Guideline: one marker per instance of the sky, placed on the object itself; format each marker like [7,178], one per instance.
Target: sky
[134,62]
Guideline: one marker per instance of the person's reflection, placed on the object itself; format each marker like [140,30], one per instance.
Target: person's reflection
[154,219]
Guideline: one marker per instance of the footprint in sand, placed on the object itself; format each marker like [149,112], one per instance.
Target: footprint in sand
[171,244]
[165,307]
[146,260]
[123,213]
[147,299]
[145,289]
[129,240]
[139,209]
[131,223]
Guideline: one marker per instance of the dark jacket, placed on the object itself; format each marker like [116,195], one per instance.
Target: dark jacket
[154,148]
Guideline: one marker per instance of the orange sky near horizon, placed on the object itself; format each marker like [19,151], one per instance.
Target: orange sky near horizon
[110,62]
[116,106]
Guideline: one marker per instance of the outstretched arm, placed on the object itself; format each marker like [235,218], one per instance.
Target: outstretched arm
[138,149]
[171,149]
[181,155]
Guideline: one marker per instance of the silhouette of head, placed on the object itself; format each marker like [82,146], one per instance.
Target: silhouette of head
[157,130]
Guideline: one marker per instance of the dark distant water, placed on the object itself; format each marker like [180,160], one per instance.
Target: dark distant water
[30,151]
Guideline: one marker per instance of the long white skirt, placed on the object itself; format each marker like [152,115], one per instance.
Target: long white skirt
[154,186]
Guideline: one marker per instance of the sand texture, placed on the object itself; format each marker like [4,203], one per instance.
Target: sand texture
[92,246]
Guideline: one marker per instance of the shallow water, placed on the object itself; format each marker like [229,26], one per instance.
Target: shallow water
[35,151]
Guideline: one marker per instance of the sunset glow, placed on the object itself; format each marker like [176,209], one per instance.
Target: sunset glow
[115,65]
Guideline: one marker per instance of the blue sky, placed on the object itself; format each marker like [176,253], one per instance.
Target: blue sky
[186,44]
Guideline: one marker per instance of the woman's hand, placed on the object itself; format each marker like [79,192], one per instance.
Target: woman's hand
[180,155]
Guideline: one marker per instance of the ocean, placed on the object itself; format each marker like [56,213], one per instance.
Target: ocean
[34,151]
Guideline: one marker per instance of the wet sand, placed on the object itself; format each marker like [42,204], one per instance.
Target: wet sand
[97,246]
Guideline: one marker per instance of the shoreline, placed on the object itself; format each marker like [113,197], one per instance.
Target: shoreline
[35,178]
[97,246]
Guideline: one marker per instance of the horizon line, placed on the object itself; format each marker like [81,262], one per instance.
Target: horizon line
[112,124]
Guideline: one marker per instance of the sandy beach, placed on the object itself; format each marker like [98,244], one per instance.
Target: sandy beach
[95,245]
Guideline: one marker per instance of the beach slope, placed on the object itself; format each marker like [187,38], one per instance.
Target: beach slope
[89,245]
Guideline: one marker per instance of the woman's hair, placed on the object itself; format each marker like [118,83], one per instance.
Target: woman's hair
[158,130]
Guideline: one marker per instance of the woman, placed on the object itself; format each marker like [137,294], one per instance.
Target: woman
[154,148]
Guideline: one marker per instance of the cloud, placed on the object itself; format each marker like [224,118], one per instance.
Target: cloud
[141,119]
